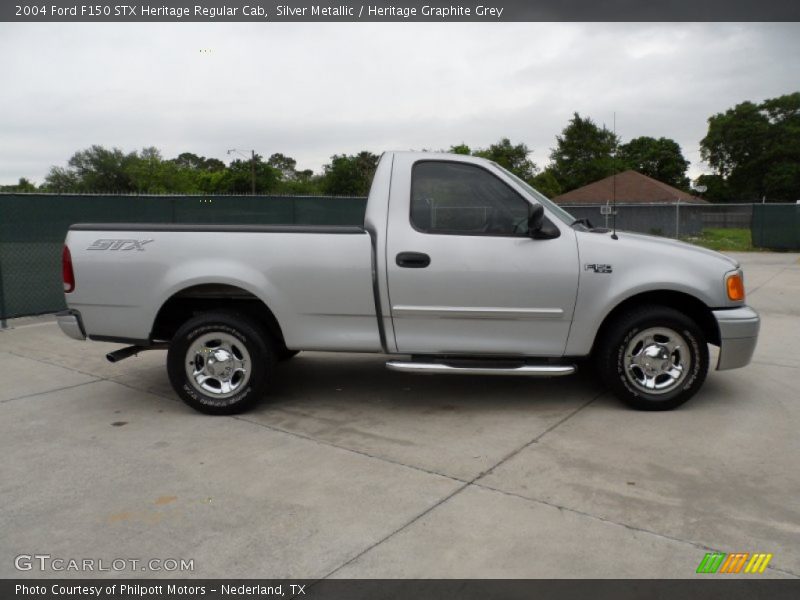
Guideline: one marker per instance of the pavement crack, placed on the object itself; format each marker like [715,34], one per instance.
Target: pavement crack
[61,389]
[416,518]
[628,526]
[460,489]
[758,287]
[346,449]
[54,364]
[538,437]
[96,377]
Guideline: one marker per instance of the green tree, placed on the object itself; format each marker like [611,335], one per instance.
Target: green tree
[660,159]
[461,148]
[511,157]
[305,182]
[190,161]
[584,153]
[96,169]
[292,181]
[285,164]
[349,175]
[190,174]
[23,186]
[151,174]
[547,183]
[755,148]
[61,180]
[146,171]
[716,188]
[239,175]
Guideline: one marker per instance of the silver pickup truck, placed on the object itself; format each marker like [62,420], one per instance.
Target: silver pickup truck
[460,267]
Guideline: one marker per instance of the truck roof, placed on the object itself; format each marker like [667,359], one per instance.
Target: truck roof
[417,154]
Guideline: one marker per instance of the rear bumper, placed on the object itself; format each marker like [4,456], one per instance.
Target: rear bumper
[738,332]
[71,324]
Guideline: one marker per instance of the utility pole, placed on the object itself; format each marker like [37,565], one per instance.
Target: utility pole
[253,173]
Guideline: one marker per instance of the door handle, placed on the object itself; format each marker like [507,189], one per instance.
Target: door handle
[413,260]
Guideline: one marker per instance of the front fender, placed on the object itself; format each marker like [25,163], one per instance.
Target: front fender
[638,265]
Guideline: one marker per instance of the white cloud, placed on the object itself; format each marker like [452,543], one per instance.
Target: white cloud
[311,90]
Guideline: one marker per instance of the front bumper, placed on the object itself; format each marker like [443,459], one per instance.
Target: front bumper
[71,324]
[738,332]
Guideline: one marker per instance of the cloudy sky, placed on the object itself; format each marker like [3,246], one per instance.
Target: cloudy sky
[312,90]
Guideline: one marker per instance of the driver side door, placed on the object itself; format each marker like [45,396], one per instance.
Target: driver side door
[464,276]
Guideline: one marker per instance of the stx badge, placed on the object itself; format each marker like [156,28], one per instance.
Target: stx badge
[119,245]
[598,268]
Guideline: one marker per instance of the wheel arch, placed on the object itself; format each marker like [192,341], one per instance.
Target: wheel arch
[690,305]
[206,297]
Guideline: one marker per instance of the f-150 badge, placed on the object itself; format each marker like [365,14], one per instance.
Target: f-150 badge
[118,244]
[599,268]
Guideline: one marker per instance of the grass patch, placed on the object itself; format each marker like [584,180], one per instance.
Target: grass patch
[724,240]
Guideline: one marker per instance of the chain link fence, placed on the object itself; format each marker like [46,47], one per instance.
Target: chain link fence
[776,226]
[675,220]
[33,227]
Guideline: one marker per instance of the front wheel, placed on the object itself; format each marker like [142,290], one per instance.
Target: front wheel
[653,358]
[219,363]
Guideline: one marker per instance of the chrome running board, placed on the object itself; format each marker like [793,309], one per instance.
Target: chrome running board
[524,370]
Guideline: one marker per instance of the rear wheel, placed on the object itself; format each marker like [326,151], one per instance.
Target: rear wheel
[654,358]
[219,363]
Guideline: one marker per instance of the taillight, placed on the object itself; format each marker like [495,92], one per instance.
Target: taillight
[67,274]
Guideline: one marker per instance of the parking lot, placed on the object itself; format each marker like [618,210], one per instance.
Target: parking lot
[350,470]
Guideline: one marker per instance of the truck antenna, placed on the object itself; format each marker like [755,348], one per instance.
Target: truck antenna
[614,186]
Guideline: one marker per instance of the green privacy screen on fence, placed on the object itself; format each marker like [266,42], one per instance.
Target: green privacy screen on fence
[776,226]
[33,228]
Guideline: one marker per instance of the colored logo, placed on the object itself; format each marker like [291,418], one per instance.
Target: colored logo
[737,562]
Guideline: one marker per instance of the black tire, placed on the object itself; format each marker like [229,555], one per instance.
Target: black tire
[245,351]
[635,352]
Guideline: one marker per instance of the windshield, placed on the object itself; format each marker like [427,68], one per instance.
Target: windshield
[542,199]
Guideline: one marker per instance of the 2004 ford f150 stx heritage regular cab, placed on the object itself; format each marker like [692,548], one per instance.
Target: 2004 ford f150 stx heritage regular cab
[460,267]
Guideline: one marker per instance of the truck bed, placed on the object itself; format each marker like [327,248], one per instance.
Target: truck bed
[317,280]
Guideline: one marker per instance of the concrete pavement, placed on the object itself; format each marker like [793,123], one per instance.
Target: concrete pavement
[350,470]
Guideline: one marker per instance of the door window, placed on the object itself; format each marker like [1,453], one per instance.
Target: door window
[463,199]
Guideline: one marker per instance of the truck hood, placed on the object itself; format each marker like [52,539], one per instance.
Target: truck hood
[644,262]
[671,246]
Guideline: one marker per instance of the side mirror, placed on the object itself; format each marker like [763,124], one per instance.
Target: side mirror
[540,228]
[535,219]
